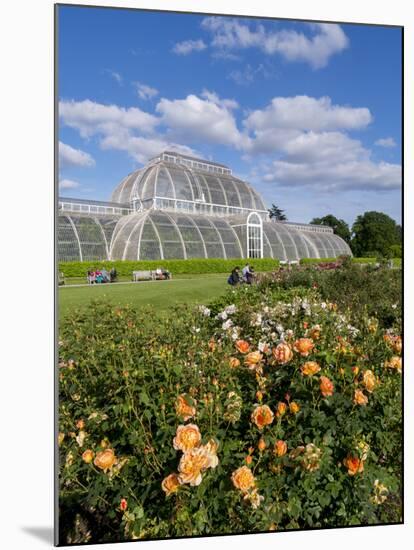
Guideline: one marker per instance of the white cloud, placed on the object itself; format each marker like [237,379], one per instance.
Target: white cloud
[142,148]
[116,76]
[68,184]
[386,142]
[214,98]
[89,117]
[188,46]
[117,128]
[144,91]
[330,147]
[247,75]
[307,141]
[358,174]
[295,141]
[326,40]
[202,120]
[307,113]
[331,161]
[68,156]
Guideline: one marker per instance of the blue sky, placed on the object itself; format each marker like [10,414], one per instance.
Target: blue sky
[309,114]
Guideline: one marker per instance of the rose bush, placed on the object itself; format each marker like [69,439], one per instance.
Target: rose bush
[237,417]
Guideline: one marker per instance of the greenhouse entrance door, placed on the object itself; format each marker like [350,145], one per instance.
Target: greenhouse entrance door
[254,236]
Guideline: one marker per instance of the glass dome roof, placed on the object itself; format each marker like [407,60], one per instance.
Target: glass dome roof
[174,176]
[181,207]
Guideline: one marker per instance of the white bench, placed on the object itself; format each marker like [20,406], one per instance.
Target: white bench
[143,276]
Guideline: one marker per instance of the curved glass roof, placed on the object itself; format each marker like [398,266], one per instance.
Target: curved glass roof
[84,238]
[157,235]
[179,206]
[166,179]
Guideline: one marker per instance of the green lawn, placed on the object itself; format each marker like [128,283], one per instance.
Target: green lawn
[160,294]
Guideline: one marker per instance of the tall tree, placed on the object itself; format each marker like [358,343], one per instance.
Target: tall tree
[374,233]
[340,227]
[277,213]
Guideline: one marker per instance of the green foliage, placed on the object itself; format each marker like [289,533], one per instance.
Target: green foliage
[125,267]
[311,261]
[120,376]
[366,260]
[277,213]
[374,232]
[340,227]
[396,251]
[354,288]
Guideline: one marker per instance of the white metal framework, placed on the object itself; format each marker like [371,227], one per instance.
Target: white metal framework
[254,236]
[182,207]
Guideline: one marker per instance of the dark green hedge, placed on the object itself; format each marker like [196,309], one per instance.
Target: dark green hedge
[125,268]
[305,261]
[367,260]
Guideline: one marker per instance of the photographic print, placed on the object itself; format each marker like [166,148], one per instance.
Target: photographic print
[228,269]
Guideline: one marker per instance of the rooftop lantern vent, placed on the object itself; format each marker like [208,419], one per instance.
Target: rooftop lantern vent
[193,162]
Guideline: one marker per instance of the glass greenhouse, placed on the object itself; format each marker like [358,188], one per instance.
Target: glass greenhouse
[181,207]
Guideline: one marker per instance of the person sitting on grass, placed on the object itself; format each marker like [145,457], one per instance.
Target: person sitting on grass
[250,275]
[234,278]
[113,275]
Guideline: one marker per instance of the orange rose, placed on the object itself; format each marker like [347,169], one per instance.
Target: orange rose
[304,346]
[192,464]
[281,408]
[234,362]
[262,416]
[369,380]
[252,359]
[315,332]
[326,386]
[88,456]
[397,344]
[123,505]
[360,398]
[261,445]
[282,353]
[105,459]
[294,407]
[387,338]
[183,406]
[310,368]
[212,344]
[242,346]
[243,479]
[170,484]
[248,459]
[187,437]
[210,450]
[394,363]
[280,448]
[354,465]
[355,370]
[80,424]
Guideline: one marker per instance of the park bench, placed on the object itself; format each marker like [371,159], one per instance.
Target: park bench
[143,276]
[150,275]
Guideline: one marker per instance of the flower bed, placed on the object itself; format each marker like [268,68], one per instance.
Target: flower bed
[270,409]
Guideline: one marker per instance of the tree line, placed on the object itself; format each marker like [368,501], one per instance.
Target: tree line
[372,233]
